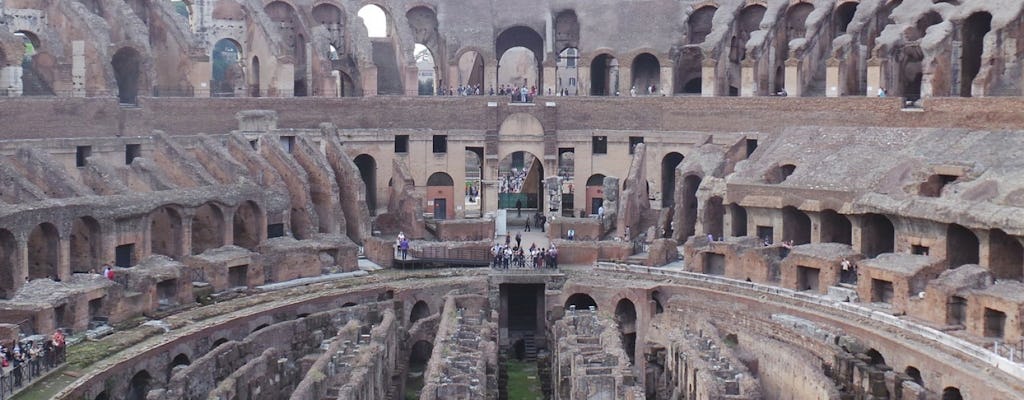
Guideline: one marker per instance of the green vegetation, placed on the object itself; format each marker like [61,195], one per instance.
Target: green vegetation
[523,382]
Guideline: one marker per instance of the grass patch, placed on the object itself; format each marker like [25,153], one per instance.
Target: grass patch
[523,381]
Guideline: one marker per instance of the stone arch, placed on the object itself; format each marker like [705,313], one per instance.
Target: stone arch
[699,24]
[525,37]
[429,75]
[796,225]
[127,64]
[1006,256]
[604,75]
[229,10]
[9,273]
[165,232]
[669,163]
[367,166]
[738,216]
[972,44]
[377,20]
[914,374]
[962,246]
[835,227]
[38,65]
[85,244]
[748,21]
[419,357]
[714,217]
[294,38]
[420,310]
[646,70]
[952,393]
[179,360]
[471,68]
[875,357]
[521,179]
[218,342]
[567,30]
[689,71]
[226,63]
[43,251]
[795,27]
[441,191]
[139,385]
[246,224]
[521,124]
[207,228]
[689,207]
[626,317]
[594,193]
[843,15]
[582,301]
[877,235]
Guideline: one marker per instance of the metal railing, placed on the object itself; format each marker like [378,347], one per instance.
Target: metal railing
[988,357]
[446,254]
[15,377]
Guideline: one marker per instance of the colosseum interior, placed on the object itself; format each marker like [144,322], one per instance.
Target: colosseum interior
[750,199]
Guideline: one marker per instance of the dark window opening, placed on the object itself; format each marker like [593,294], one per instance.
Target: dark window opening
[131,152]
[956,311]
[881,291]
[288,143]
[919,250]
[254,144]
[751,146]
[275,230]
[934,185]
[124,255]
[995,323]
[440,144]
[401,143]
[633,141]
[766,233]
[82,154]
[600,145]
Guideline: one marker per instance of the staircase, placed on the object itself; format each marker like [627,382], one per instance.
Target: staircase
[32,84]
[389,78]
[530,348]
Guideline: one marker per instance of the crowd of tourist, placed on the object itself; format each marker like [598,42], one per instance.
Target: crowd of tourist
[507,256]
[23,361]
[513,182]
[516,93]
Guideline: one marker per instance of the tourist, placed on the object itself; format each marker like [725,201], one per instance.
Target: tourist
[404,247]
[571,234]
[881,92]
[711,238]
[519,239]
[600,213]
[527,228]
[108,272]
[626,234]
[632,92]
[543,222]
[519,207]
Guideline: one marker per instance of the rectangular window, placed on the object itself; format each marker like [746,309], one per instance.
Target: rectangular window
[633,141]
[440,144]
[401,143]
[600,145]
[124,255]
[287,143]
[82,154]
[751,146]
[919,250]
[254,144]
[131,152]
[275,230]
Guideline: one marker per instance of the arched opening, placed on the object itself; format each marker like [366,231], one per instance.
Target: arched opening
[419,357]
[259,328]
[951,393]
[473,172]
[877,235]
[567,71]
[748,21]
[595,193]
[521,181]
[795,28]
[43,251]
[875,357]
[689,71]
[779,174]
[102,396]
[246,225]
[700,24]
[973,44]
[37,66]
[368,172]
[375,19]
[165,232]
[294,35]
[912,72]
[85,244]
[520,51]
[441,195]
[218,342]
[689,207]
[714,217]
[843,17]
[207,228]
[961,246]
[835,228]
[915,375]
[8,261]
[227,68]
[471,69]
[426,70]
[646,74]
[419,311]
[127,63]
[179,360]
[656,297]
[739,220]
[139,386]
[604,76]
[1006,256]
[669,163]
[581,301]
[254,83]
[796,226]
[625,316]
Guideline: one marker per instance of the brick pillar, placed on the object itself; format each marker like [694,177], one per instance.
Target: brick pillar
[748,80]
[667,79]
[832,86]
[78,68]
[709,79]
[794,72]
[876,76]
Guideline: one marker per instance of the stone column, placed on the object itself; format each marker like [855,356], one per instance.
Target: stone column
[412,81]
[553,191]
[369,76]
[815,218]
[10,76]
[186,232]
[583,80]
[794,73]
[78,68]
[832,83]
[550,81]
[64,258]
[667,79]
[624,84]
[708,78]
[228,227]
[489,183]
[876,76]
[748,82]
[490,75]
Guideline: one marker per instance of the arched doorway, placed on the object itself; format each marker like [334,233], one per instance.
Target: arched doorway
[567,38]
[689,207]
[973,44]
[426,70]
[127,63]
[877,235]
[8,262]
[951,393]
[962,246]
[604,75]
[843,17]
[381,32]
[207,228]
[914,374]
[368,172]
[714,217]
[646,74]
[595,193]
[521,181]
[522,66]
[165,232]
[419,311]
[796,226]
[246,225]
[43,251]
[474,172]
[1006,256]
[835,228]
[700,24]
[748,21]
[179,360]
[669,163]
[419,357]
[85,244]
[375,20]
[139,386]
[294,38]
[625,316]
[441,195]
[581,301]
[795,27]
[738,219]
[227,68]
[37,66]
[471,69]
